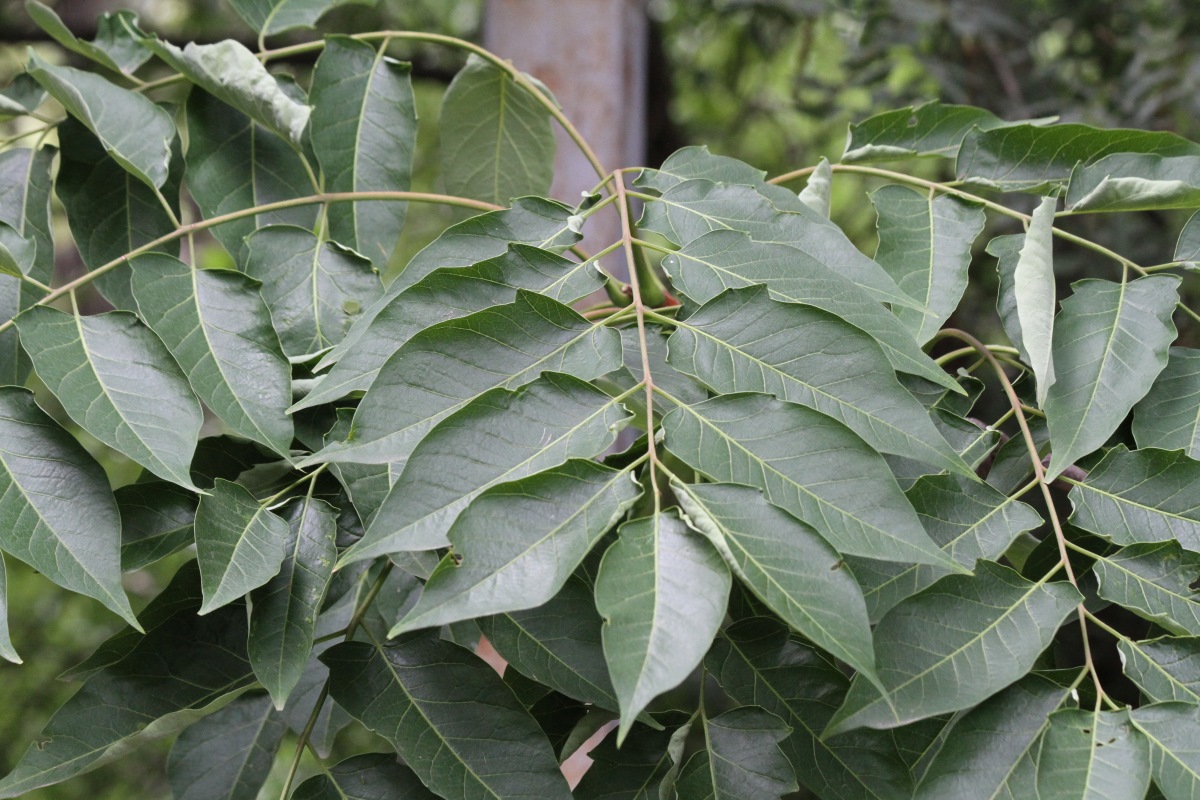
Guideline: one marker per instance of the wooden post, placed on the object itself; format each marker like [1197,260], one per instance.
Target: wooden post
[592,55]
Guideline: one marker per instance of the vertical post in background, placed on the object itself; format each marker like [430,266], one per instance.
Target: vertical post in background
[592,55]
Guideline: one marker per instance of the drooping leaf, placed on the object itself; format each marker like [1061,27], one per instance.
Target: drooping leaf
[930,129]
[757,662]
[1187,248]
[218,328]
[1154,581]
[371,776]
[786,564]
[364,129]
[1140,496]
[786,450]
[991,751]
[1110,343]
[157,520]
[313,289]
[504,346]
[109,210]
[25,187]
[557,644]
[815,193]
[449,294]
[1135,182]
[1092,754]
[234,163]
[227,755]
[662,590]
[1034,298]
[1169,416]
[516,544]
[116,44]
[131,128]
[742,760]
[240,544]
[1031,158]
[721,260]
[967,519]
[448,715]
[167,680]
[1164,669]
[283,612]
[270,17]
[691,209]
[21,96]
[231,73]
[497,143]
[115,378]
[742,340]
[1172,730]
[14,363]
[925,245]
[17,254]
[955,644]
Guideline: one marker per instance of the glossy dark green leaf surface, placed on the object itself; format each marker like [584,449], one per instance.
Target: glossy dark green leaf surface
[227,755]
[373,776]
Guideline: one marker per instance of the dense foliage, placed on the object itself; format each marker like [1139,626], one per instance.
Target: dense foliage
[733,514]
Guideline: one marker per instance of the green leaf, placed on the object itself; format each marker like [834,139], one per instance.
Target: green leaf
[1092,755]
[17,254]
[1031,158]
[22,96]
[1110,343]
[1168,416]
[227,755]
[632,772]
[239,544]
[662,591]
[516,544]
[364,130]
[234,163]
[7,651]
[14,363]
[446,294]
[991,751]
[1154,581]
[742,341]
[314,289]
[691,209]
[109,210]
[558,644]
[25,187]
[231,73]
[1034,296]
[757,661]
[283,612]
[372,776]
[742,760]
[218,328]
[786,450]
[925,245]
[270,17]
[721,260]
[1187,248]
[955,644]
[157,520]
[1140,496]
[967,519]
[1167,668]
[448,715]
[971,439]
[786,564]
[930,129]
[116,45]
[1134,182]
[115,378]
[695,161]
[1172,729]
[815,193]
[500,347]
[133,130]
[169,679]
[497,142]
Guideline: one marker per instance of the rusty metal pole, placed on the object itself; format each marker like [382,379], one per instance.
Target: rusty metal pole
[592,55]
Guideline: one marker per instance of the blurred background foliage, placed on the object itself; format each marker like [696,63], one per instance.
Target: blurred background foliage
[773,82]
